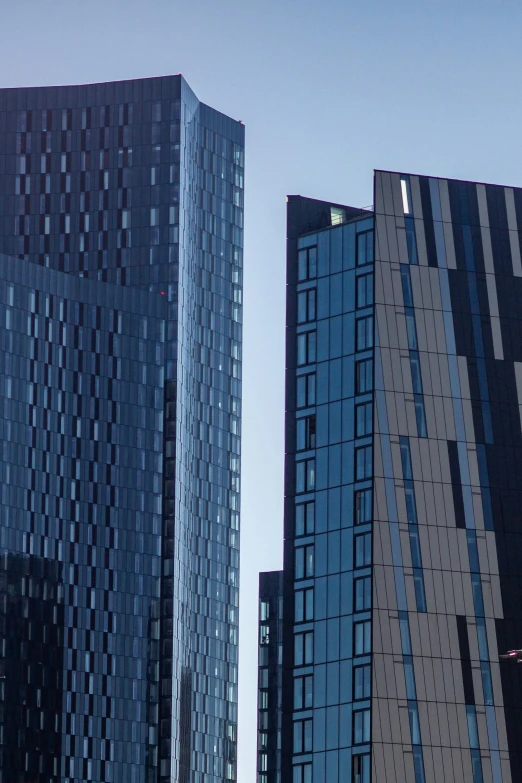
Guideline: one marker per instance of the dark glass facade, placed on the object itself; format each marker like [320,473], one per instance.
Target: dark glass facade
[121,289]
[402,524]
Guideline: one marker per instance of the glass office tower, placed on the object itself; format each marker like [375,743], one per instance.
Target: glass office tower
[120,344]
[402,567]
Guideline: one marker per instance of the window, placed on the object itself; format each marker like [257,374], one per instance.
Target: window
[363,376]
[420,415]
[409,677]
[405,632]
[364,333]
[363,506]
[364,250]
[363,419]
[362,594]
[363,463]
[305,390]
[304,519]
[362,682]
[303,692]
[420,595]
[364,296]
[363,550]
[414,723]
[361,726]
[304,605]
[411,240]
[304,562]
[406,458]
[264,610]
[303,736]
[307,264]
[411,509]
[415,546]
[306,351]
[305,476]
[305,435]
[362,638]
[337,215]
[306,306]
[303,773]
[416,378]
[407,291]
[303,648]
[264,634]
[361,768]
[263,678]
[411,330]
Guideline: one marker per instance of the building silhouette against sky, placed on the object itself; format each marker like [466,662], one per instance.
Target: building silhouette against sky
[402,553]
[120,395]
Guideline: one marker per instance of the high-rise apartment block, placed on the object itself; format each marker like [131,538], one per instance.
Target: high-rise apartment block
[403,500]
[120,404]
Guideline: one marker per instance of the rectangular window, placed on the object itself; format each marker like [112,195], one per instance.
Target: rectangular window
[303,648]
[306,306]
[362,594]
[409,676]
[305,390]
[363,506]
[363,376]
[420,415]
[411,241]
[363,419]
[361,768]
[362,682]
[307,264]
[305,476]
[304,605]
[363,463]
[364,333]
[361,726]
[416,378]
[303,773]
[364,296]
[303,736]
[362,638]
[305,433]
[303,692]
[304,562]
[414,723]
[363,550]
[411,329]
[306,348]
[364,250]
[420,595]
[407,291]
[407,472]
[304,519]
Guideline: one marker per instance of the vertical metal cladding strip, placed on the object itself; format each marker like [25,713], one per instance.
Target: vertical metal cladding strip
[490,272]
[513,232]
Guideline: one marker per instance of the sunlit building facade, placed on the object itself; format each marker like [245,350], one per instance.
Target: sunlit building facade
[401,570]
[120,346]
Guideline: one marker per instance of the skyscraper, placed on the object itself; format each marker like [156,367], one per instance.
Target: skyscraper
[120,391]
[402,567]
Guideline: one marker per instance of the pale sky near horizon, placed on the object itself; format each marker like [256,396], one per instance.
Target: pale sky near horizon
[328,92]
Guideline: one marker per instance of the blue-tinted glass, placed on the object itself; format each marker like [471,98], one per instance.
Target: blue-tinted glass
[363,376]
[362,682]
[415,546]
[410,678]
[405,633]
[411,240]
[406,458]
[411,330]
[414,723]
[363,463]
[361,726]
[363,506]
[420,597]
[362,638]
[411,510]
[363,419]
[416,378]
[473,551]
[407,291]
[486,682]
[471,715]
[364,287]
[420,416]
[363,550]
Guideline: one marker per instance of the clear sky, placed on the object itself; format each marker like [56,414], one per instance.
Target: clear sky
[328,91]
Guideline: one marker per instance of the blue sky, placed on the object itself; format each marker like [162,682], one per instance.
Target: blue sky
[328,92]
